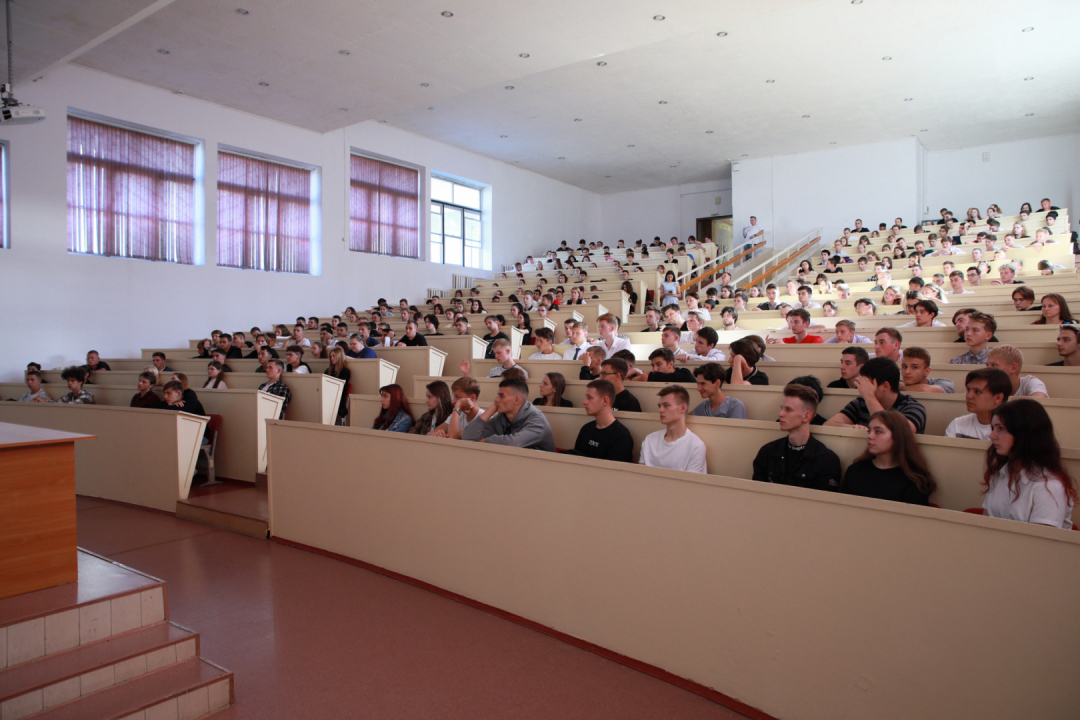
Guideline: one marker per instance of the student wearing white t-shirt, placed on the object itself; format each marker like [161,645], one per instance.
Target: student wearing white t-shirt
[987,390]
[675,447]
[753,231]
[1024,477]
[545,344]
[1011,360]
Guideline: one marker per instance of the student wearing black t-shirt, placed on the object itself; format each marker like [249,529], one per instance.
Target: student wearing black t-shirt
[798,459]
[605,438]
[893,467]
[93,361]
[495,333]
[412,338]
[745,356]
[552,387]
[664,370]
[614,370]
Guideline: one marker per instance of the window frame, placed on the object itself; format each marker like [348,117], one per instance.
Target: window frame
[5,191]
[479,247]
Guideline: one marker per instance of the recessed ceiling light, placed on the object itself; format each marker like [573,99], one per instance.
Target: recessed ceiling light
[887,57]
[746,156]
[770,81]
[657,17]
[805,116]
[343,52]
[163,51]
[178,92]
[1027,29]
[523,55]
[344,109]
[447,13]
[721,34]
[425,84]
[502,136]
[508,87]
[629,146]
[241,11]
[925,130]
[1030,115]
[833,142]
[562,158]
[577,119]
[663,102]
[264,84]
[601,63]
[908,99]
[431,108]
[856,2]
[607,176]
[708,132]
[1028,78]
[383,122]
[674,166]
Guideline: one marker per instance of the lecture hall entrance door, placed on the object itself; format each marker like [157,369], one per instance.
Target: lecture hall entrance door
[717,228]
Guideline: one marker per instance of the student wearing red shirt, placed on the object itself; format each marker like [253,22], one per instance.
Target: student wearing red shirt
[799,322]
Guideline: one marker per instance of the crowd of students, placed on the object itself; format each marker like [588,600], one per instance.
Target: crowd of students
[1024,478]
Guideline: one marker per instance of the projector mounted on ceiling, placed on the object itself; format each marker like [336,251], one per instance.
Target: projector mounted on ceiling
[12,112]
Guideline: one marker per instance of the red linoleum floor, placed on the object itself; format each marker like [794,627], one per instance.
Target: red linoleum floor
[309,637]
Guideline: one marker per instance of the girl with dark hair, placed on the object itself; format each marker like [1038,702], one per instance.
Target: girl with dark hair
[476,307]
[204,348]
[744,359]
[805,267]
[629,290]
[1025,208]
[577,297]
[1025,479]
[440,404]
[213,380]
[669,290]
[1055,311]
[552,387]
[893,467]
[524,324]
[395,415]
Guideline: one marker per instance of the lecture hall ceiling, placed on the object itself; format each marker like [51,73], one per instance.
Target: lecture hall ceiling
[673,101]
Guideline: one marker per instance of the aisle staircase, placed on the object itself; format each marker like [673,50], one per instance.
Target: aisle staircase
[103,648]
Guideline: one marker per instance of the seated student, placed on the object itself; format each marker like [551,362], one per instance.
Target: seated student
[36,394]
[887,342]
[297,337]
[926,312]
[864,307]
[275,385]
[631,363]
[814,384]
[577,336]
[464,391]
[1010,360]
[552,388]
[545,344]
[218,355]
[652,320]
[395,415]
[503,355]
[799,459]
[704,347]
[805,295]
[1025,479]
[615,370]
[980,330]
[745,356]
[177,398]
[956,281]
[440,405]
[94,362]
[846,335]
[263,358]
[512,420]
[76,377]
[364,331]
[412,338]
[915,374]
[590,363]
[1007,271]
[261,341]
[799,322]
[225,342]
[213,379]
[431,324]
[159,362]
[892,467]
[729,315]
[358,350]
[710,385]
[146,397]
[1055,311]
[771,293]
[1023,298]
[877,384]
[608,327]
[675,447]
[664,370]
[851,361]
[293,362]
[1068,346]
[987,390]
[605,438]
[494,333]
[337,368]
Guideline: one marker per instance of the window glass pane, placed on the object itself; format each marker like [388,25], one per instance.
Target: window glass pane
[466,196]
[452,220]
[442,190]
[472,229]
[453,250]
[436,248]
[436,220]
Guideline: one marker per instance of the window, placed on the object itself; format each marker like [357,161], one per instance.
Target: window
[264,215]
[455,223]
[384,208]
[129,194]
[5,226]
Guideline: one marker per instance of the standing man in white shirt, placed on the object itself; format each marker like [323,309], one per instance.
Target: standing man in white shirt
[753,230]
[675,447]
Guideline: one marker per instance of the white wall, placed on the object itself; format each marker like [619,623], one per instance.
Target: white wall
[1017,172]
[56,305]
[665,211]
[793,194]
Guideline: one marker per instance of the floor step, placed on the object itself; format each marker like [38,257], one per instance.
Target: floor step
[65,676]
[243,511]
[185,690]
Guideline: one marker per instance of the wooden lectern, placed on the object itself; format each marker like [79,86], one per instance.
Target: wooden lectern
[37,508]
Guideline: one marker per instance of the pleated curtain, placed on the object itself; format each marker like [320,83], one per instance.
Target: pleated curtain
[384,207]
